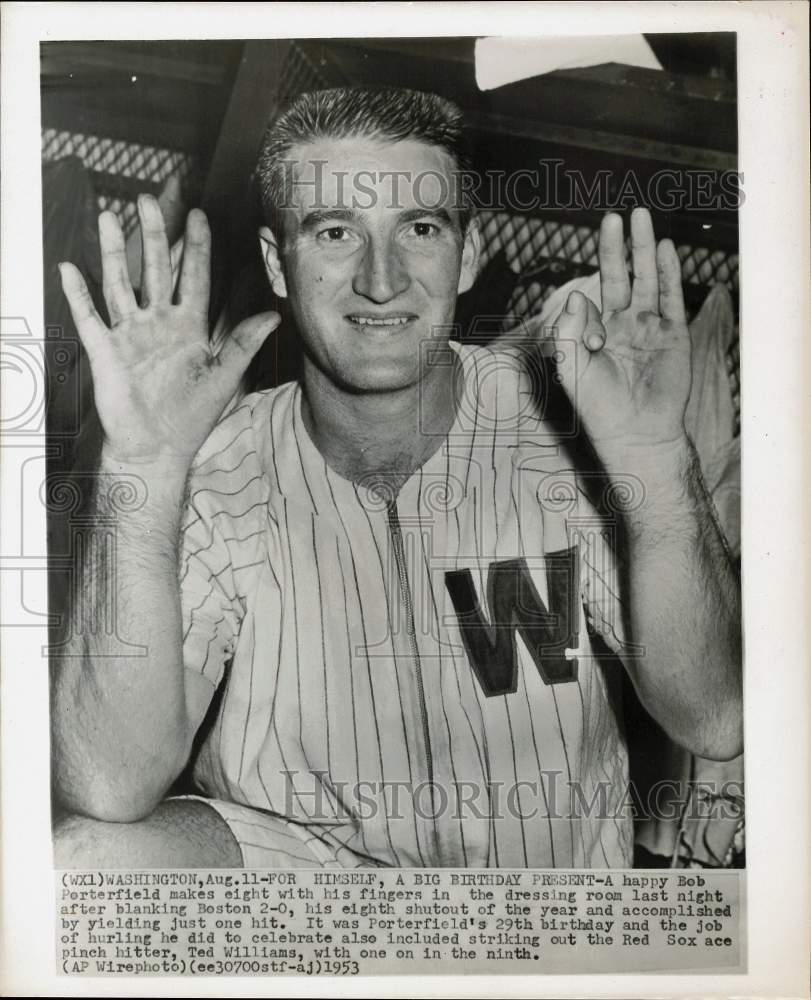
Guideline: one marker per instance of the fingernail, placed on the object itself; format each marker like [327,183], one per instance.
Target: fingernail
[572,304]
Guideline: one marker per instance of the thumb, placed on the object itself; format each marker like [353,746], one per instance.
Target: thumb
[578,327]
[594,333]
[571,322]
[244,341]
[580,321]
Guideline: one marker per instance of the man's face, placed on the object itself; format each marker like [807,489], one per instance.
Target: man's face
[373,257]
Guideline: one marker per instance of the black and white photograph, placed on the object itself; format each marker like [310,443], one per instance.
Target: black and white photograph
[390,448]
[436,542]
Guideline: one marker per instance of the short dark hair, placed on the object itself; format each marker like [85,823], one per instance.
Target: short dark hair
[388,113]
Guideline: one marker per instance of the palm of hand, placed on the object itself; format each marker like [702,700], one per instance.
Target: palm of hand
[627,372]
[151,393]
[635,389]
[159,388]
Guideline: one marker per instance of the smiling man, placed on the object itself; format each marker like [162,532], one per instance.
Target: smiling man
[372,252]
[388,572]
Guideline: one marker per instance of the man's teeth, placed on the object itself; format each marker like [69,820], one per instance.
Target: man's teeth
[370,321]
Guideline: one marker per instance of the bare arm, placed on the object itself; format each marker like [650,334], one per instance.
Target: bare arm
[629,379]
[120,729]
[122,725]
[684,609]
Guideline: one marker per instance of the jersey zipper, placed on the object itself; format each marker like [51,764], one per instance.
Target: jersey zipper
[405,593]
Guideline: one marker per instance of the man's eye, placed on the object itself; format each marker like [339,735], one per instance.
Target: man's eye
[335,234]
[425,229]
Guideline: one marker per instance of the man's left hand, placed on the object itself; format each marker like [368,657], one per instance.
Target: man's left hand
[627,371]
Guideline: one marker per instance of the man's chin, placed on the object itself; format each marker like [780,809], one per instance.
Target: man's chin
[366,374]
[374,376]
[378,382]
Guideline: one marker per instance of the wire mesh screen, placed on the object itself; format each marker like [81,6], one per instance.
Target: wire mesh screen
[545,254]
[119,169]
[299,75]
[532,247]
[542,253]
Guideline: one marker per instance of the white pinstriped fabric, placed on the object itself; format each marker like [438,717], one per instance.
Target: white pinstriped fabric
[350,686]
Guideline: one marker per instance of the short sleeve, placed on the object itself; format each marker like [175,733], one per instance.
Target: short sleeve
[599,587]
[597,537]
[211,611]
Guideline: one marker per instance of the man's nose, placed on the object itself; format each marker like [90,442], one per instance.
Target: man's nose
[381,274]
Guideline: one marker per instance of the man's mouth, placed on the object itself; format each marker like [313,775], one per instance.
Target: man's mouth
[391,321]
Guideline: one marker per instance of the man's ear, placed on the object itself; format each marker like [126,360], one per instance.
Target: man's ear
[273,263]
[470,257]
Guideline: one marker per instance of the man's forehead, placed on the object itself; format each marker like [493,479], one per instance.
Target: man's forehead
[364,173]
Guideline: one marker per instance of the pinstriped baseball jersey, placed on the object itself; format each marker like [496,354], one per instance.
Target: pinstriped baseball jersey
[412,678]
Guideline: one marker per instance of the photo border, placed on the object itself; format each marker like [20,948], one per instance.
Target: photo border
[773,157]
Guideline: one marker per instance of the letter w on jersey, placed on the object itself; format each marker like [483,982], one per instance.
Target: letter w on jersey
[515,606]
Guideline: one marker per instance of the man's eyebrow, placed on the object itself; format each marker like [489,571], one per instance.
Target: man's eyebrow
[319,216]
[312,220]
[437,214]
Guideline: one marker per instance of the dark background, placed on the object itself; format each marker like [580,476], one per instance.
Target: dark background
[210,102]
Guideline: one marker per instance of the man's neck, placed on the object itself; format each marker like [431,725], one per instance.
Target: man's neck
[388,434]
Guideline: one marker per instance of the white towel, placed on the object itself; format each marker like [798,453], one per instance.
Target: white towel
[504,60]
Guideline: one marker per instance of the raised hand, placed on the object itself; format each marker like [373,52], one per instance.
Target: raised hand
[159,389]
[627,371]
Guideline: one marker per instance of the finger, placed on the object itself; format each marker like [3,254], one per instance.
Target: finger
[671,296]
[170,200]
[116,283]
[594,333]
[156,280]
[243,343]
[573,321]
[587,326]
[645,294]
[82,308]
[578,326]
[196,268]
[615,288]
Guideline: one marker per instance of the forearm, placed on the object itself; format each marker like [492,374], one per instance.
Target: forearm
[684,610]
[119,723]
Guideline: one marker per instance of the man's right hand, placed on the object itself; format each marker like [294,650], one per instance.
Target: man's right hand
[159,388]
